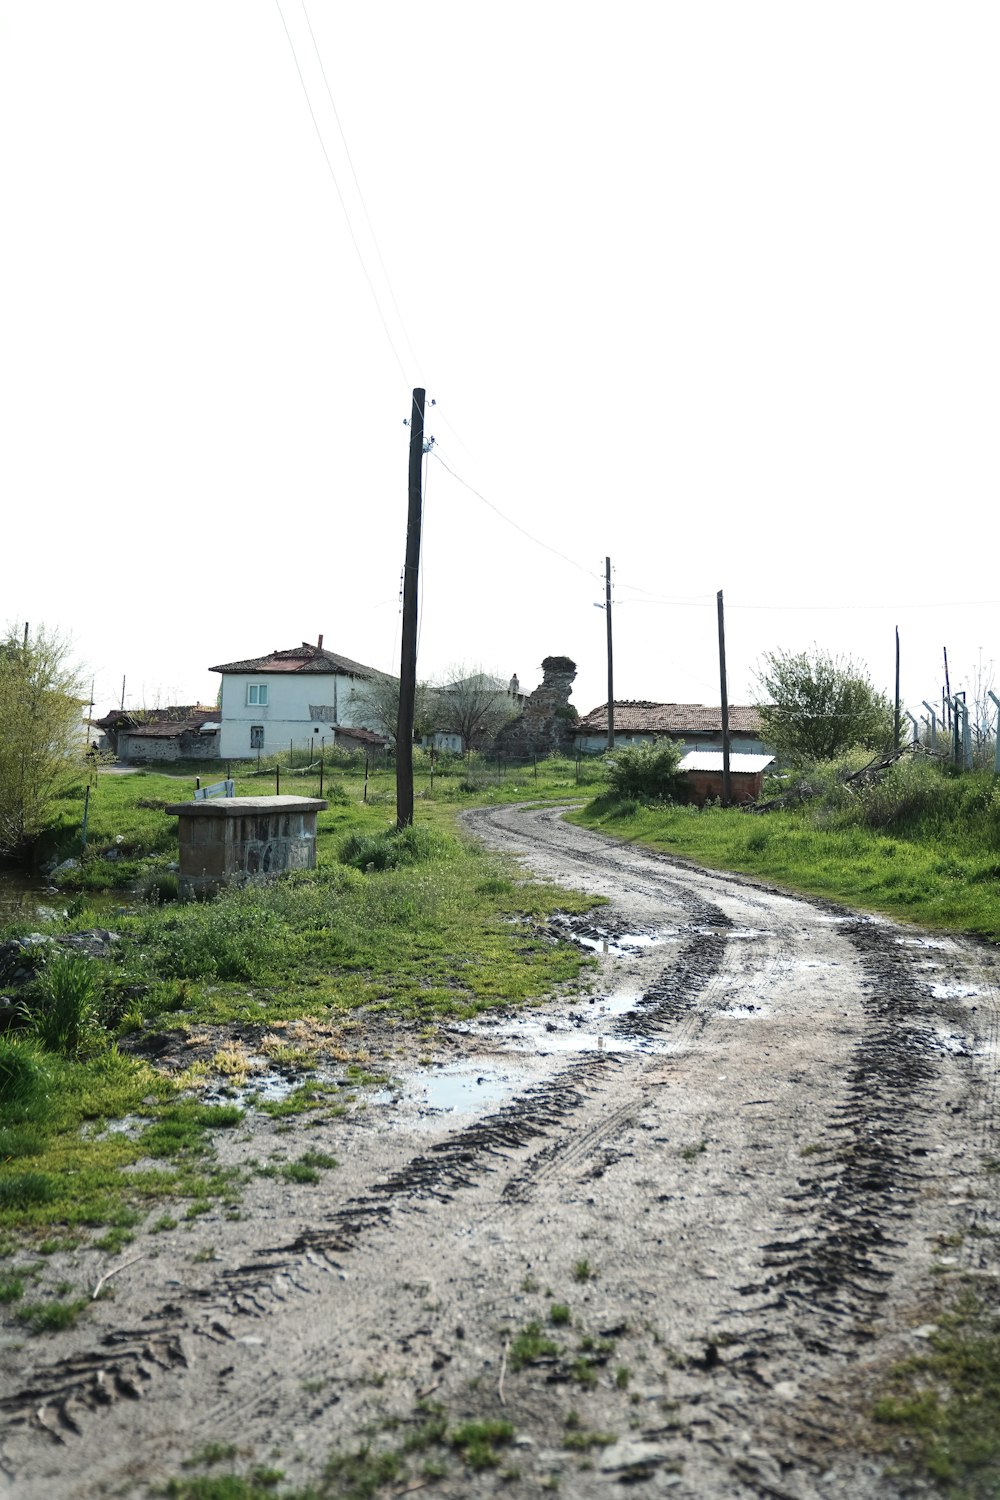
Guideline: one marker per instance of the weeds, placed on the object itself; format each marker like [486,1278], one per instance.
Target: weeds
[51,1317]
[947,1402]
[530,1344]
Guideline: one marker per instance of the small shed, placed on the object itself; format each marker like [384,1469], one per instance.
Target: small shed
[702,771]
[230,840]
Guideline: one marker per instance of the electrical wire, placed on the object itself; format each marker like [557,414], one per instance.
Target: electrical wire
[333,176]
[517,527]
[357,184]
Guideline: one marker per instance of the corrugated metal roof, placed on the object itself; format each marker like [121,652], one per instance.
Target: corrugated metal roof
[711,760]
[304,658]
[639,716]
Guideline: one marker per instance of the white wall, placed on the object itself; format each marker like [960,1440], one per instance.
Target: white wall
[594,744]
[286,715]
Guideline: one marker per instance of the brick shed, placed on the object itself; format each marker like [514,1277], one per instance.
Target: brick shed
[703,774]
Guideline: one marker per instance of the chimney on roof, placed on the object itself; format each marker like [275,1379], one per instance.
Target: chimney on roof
[319,644]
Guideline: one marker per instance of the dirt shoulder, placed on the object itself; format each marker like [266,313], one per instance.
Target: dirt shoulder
[673,1230]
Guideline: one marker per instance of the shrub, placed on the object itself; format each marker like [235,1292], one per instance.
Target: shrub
[392,848]
[645,770]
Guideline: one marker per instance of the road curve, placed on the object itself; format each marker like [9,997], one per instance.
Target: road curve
[745,1161]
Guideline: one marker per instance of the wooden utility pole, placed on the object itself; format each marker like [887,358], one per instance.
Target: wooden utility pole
[895,725]
[611,672]
[726,784]
[408,654]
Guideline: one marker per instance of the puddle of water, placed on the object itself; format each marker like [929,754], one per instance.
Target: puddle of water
[626,942]
[789,964]
[923,943]
[953,991]
[748,933]
[620,1003]
[953,1042]
[455,1088]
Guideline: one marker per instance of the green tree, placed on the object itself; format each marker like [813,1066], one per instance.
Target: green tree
[41,700]
[814,705]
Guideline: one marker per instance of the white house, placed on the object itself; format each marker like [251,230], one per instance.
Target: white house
[296,697]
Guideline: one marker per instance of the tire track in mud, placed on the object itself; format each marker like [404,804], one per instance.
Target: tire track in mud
[833,1272]
[62,1393]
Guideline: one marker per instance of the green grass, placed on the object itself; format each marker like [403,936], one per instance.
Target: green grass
[450,933]
[530,1344]
[51,1317]
[946,1403]
[924,846]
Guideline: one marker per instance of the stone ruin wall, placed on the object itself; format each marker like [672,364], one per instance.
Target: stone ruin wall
[547,722]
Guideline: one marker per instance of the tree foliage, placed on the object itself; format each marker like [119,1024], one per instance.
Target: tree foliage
[41,700]
[376,701]
[474,704]
[815,706]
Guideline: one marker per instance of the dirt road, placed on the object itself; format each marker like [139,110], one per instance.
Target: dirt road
[740,1168]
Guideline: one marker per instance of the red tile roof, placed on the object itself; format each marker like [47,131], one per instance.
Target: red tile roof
[639,716]
[304,658]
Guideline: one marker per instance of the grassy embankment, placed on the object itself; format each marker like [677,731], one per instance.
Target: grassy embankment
[311,968]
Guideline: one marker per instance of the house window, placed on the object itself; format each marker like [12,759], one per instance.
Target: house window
[256,736]
[257,694]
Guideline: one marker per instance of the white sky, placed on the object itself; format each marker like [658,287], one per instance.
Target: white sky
[712,289]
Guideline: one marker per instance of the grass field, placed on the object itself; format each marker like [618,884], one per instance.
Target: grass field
[319,963]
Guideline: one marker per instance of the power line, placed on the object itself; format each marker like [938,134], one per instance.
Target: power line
[517,527]
[357,184]
[333,176]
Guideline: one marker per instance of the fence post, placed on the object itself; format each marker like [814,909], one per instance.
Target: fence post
[996,748]
[933,715]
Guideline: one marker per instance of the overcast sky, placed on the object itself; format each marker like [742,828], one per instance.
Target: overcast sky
[711,289]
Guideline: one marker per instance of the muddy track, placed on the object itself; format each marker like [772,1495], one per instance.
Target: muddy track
[759,1131]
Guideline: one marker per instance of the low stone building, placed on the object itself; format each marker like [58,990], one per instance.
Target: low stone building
[161,734]
[692,725]
[547,721]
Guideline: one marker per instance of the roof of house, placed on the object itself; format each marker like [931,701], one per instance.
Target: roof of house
[127,718]
[362,736]
[639,716]
[304,658]
[711,760]
[205,722]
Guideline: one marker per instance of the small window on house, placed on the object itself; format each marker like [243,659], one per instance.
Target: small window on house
[256,736]
[257,694]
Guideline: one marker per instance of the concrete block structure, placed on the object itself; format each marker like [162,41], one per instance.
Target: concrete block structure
[230,840]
